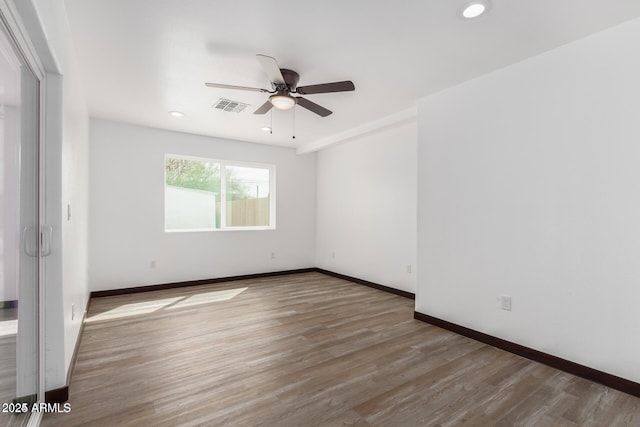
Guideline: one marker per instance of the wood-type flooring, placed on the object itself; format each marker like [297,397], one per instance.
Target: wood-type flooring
[309,350]
[8,329]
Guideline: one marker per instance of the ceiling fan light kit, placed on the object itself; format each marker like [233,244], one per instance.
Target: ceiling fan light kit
[282,101]
[284,82]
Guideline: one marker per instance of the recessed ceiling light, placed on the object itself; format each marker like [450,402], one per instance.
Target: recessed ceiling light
[266,129]
[474,10]
[176,113]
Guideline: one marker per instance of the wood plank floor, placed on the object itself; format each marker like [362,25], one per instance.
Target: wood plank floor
[8,329]
[307,350]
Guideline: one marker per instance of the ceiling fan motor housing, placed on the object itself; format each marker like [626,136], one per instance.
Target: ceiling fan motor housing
[291,78]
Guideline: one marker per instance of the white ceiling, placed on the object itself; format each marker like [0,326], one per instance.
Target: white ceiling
[139,59]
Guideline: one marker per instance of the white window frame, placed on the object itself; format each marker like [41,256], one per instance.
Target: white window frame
[223,193]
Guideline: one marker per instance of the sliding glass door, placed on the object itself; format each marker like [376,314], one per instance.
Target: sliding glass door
[21,237]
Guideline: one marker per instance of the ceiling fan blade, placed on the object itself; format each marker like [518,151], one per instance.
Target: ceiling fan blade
[271,67]
[313,107]
[254,89]
[344,86]
[264,108]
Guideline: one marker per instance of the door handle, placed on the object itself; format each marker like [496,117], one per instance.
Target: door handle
[29,241]
[46,236]
[43,241]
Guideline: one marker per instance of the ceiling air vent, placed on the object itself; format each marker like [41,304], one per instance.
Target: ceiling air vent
[229,105]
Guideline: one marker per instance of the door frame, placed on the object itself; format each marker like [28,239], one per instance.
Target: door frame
[10,20]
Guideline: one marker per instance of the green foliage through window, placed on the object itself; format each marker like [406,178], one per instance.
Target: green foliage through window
[194,174]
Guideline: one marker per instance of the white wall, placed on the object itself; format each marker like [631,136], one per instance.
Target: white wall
[367,207]
[529,186]
[127,211]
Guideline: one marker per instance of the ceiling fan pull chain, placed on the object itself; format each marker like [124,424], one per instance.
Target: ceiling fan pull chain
[271,123]
[294,124]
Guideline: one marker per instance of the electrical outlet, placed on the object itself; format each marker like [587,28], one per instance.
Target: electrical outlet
[409,268]
[152,264]
[68,212]
[333,255]
[273,255]
[505,302]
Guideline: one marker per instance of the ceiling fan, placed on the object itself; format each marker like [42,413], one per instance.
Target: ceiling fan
[284,82]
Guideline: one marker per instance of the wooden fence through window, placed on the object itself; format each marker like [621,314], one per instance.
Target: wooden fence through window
[248,212]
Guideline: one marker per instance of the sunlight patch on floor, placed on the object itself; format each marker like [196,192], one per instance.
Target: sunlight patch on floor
[147,307]
[133,309]
[8,327]
[208,297]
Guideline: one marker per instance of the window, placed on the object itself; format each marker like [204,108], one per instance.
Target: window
[205,194]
